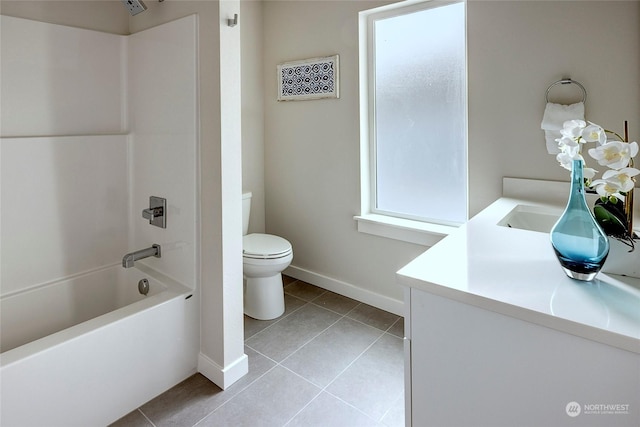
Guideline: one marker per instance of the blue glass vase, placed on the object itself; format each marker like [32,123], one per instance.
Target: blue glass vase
[578,241]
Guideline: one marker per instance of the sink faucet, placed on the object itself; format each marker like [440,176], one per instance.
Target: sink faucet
[128,259]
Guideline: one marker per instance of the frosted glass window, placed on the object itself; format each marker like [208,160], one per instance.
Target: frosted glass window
[419,130]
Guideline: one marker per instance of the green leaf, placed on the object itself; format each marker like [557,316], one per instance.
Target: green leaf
[616,209]
[609,221]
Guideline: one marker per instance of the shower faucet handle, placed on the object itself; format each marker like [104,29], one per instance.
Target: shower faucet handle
[151,214]
[156,213]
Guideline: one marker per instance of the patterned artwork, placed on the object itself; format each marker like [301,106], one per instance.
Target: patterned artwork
[308,79]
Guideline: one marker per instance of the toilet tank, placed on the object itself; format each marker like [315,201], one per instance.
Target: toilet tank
[246,211]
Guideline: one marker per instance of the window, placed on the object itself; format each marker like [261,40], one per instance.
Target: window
[413,113]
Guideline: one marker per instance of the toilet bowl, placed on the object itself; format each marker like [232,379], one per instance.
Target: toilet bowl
[264,257]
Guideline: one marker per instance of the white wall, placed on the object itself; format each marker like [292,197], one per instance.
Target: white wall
[312,154]
[101,15]
[516,49]
[253,110]
[162,109]
[222,356]
[64,195]
[64,207]
[59,80]
[67,198]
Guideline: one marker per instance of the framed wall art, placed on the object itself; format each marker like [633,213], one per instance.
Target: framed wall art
[308,79]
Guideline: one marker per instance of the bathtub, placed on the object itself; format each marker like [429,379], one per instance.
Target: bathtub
[89,349]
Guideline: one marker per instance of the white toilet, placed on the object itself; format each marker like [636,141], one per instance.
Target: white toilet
[264,256]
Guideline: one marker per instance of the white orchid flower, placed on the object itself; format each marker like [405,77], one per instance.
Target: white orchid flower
[589,173]
[607,188]
[573,128]
[574,124]
[569,146]
[594,133]
[622,178]
[566,158]
[567,143]
[614,154]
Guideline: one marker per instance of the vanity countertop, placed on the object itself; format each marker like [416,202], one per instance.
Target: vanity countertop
[515,272]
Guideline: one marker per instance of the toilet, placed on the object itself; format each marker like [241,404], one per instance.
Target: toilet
[264,257]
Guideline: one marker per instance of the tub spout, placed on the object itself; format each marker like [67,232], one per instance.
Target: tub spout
[129,259]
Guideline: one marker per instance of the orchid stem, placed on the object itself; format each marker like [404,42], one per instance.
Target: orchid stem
[616,134]
[628,207]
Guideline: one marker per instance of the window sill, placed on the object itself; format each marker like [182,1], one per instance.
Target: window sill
[420,233]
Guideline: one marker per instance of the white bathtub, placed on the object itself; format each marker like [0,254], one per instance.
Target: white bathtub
[88,350]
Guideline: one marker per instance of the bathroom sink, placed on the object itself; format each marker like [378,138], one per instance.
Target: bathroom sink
[532,218]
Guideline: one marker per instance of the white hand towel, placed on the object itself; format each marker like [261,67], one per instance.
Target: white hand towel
[550,137]
[554,117]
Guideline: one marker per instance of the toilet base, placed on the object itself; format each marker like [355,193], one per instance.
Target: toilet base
[264,297]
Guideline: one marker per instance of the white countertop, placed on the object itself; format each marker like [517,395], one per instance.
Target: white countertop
[515,272]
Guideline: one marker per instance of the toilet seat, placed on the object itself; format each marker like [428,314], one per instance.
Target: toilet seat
[265,246]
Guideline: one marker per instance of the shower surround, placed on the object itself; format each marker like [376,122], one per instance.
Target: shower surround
[92,125]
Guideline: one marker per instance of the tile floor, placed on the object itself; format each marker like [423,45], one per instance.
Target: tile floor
[328,361]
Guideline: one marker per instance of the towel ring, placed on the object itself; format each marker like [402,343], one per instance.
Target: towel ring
[566,82]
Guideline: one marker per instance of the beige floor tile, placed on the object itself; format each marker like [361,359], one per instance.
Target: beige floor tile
[328,411]
[196,397]
[373,316]
[303,290]
[270,402]
[374,381]
[133,419]
[397,328]
[253,326]
[326,356]
[335,302]
[395,415]
[287,279]
[288,335]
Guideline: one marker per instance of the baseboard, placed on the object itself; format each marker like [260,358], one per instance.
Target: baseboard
[223,377]
[348,290]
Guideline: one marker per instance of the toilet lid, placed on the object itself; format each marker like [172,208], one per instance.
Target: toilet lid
[259,245]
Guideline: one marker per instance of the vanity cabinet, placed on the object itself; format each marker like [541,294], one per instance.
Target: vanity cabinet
[468,366]
[497,335]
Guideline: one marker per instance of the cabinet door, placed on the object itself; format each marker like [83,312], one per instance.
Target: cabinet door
[474,367]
